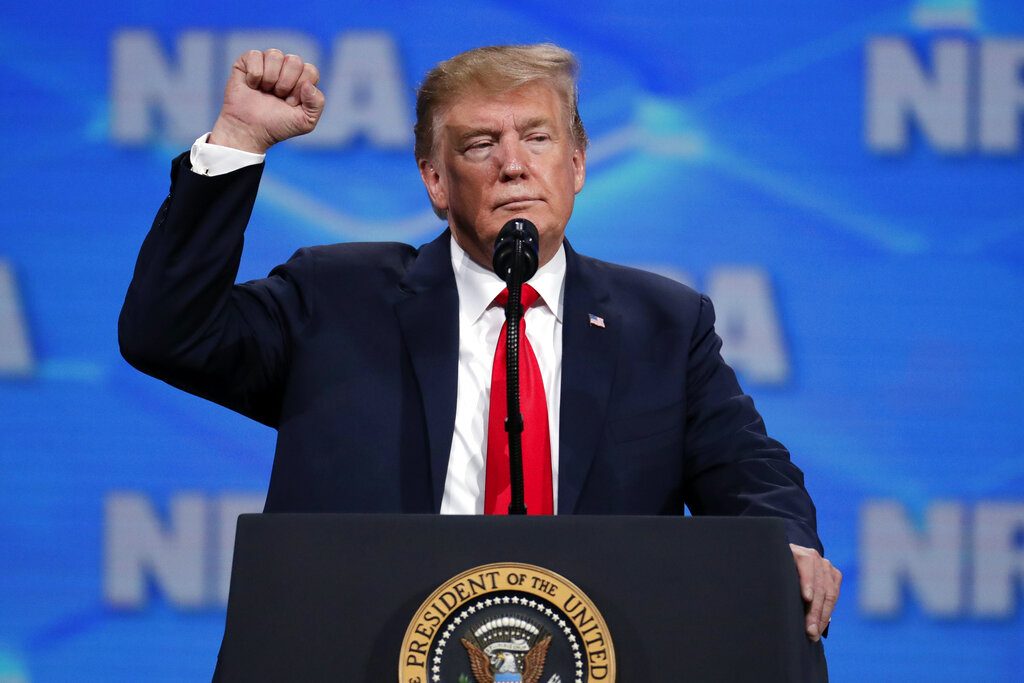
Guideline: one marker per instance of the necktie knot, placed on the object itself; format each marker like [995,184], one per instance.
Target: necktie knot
[529,297]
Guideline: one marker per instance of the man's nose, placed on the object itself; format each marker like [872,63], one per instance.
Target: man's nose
[512,161]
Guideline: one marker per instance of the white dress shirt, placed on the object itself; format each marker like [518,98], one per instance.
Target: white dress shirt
[479,327]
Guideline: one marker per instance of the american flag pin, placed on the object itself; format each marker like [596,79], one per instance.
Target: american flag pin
[596,321]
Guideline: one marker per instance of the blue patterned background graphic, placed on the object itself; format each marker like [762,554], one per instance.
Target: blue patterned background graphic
[843,178]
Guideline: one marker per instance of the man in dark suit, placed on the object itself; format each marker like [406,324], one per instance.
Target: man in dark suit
[375,361]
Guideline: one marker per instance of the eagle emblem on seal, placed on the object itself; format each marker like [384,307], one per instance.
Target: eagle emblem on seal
[508,650]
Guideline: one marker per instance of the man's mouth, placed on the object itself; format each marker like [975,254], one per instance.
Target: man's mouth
[517,203]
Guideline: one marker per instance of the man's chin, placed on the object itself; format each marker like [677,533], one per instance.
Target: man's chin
[551,233]
[536,212]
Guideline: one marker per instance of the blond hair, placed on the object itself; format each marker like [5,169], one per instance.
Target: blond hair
[491,71]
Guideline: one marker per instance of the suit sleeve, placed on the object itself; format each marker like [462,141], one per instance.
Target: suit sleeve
[733,467]
[185,321]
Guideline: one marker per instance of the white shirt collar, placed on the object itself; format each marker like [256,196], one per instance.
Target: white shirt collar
[478,286]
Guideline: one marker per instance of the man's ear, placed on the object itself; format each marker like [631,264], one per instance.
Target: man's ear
[579,166]
[435,183]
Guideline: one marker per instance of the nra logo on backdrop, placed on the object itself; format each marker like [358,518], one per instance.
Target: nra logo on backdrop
[173,93]
[960,92]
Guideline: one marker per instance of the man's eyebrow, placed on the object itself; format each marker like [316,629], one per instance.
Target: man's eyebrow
[535,122]
[462,133]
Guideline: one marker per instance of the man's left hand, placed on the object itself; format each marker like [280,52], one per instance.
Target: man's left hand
[819,587]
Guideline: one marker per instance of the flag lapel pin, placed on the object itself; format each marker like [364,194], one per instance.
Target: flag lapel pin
[596,321]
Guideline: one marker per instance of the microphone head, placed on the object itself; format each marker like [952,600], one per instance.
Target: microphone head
[522,231]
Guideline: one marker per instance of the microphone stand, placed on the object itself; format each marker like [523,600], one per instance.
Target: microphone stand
[514,420]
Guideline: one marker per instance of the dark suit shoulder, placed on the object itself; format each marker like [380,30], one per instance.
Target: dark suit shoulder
[643,291]
[362,265]
[363,257]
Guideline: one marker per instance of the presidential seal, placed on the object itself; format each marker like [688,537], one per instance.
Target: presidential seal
[507,623]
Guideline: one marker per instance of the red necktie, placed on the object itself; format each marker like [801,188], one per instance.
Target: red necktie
[536,440]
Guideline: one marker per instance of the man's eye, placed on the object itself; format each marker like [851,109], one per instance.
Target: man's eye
[478,150]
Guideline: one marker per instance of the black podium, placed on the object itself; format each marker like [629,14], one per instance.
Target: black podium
[330,597]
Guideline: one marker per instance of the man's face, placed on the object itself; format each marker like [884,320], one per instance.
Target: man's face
[501,157]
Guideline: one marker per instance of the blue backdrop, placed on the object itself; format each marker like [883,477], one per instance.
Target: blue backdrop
[843,178]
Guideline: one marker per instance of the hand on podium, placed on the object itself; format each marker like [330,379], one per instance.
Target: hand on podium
[819,587]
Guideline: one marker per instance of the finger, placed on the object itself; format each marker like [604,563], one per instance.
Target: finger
[251,64]
[805,570]
[312,100]
[833,579]
[291,69]
[814,623]
[310,73]
[272,61]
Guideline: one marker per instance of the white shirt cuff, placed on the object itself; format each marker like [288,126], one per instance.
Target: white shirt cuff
[210,159]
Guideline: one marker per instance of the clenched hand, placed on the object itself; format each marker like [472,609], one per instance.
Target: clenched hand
[270,97]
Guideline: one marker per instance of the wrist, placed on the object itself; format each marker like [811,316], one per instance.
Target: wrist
[229,134]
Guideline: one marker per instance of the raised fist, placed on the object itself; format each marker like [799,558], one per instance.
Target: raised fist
[270,97]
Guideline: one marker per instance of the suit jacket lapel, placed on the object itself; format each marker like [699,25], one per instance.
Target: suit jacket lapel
[429,319]
[588,367]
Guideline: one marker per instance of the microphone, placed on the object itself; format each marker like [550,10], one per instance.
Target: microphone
[515,261]
[515,251]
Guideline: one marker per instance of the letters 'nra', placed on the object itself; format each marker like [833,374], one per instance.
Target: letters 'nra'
[507,623]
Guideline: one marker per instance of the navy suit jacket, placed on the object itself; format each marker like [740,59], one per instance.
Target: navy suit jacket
[351,352]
